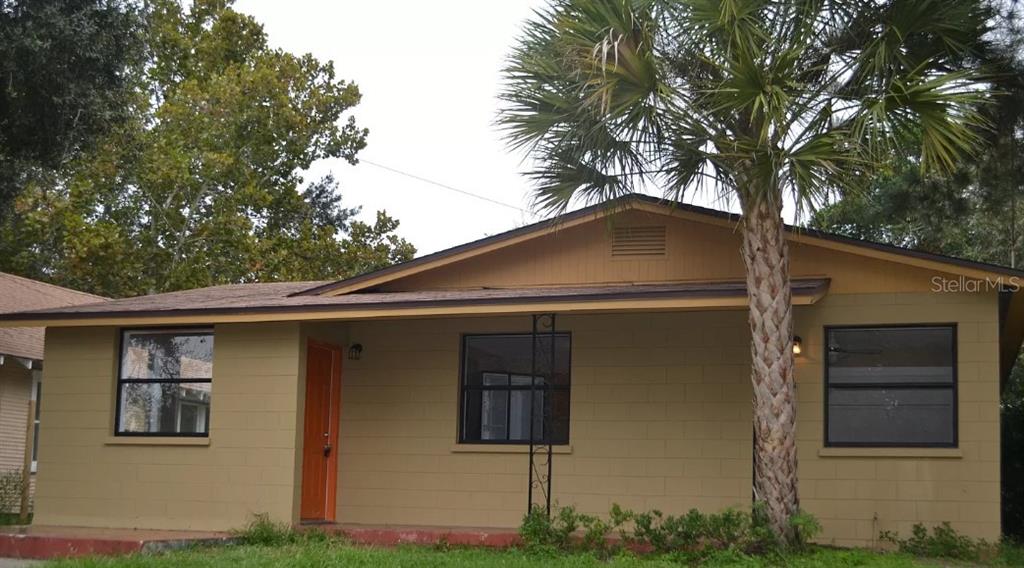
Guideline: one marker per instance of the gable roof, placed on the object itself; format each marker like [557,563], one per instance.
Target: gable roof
[944,263]
[361,296]
[19,294]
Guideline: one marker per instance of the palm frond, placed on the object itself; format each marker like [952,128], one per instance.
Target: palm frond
[753,97]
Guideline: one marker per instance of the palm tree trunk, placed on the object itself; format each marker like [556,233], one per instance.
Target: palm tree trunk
[766,256]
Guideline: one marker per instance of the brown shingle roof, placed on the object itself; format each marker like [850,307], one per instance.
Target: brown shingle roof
[278,297]
[19,294]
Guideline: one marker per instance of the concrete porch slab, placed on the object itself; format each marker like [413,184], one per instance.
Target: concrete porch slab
[44,542]
[394,535]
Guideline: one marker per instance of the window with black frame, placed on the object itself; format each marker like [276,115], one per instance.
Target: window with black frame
[891,386]
[497,378]
[164,382]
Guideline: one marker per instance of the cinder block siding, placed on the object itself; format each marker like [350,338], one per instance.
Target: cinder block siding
[248,467]
[857,496]
[659,419]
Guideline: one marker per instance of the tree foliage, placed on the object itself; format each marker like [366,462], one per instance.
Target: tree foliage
[201,185]
[740,96]
[65,70]
[975,213]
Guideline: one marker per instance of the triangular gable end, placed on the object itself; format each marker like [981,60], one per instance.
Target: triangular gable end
[641,239]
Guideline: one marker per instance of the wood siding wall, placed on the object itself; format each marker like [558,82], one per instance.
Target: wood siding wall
[15,391]
[694,251]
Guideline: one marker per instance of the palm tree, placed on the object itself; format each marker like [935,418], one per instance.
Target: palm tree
[757,100]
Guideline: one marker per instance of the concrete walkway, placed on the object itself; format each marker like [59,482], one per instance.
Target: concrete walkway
[18,563]
[44,542]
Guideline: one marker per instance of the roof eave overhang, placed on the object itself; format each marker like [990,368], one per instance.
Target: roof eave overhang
[23,360]
[666,302]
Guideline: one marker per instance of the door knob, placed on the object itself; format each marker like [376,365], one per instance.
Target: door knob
[327,450]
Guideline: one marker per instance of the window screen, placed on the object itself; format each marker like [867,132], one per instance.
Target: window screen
[164,384]
[891,386]
[498,384]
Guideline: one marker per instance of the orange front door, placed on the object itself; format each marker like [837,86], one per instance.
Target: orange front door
[320,446]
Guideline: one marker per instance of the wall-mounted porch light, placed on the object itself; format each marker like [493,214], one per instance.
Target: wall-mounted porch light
[798,346]
[355,352]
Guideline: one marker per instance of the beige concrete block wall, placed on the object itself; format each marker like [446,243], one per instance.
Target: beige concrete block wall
[865,491]
[248,467]
[659,419]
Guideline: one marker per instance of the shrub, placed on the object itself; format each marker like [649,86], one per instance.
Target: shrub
[264,531]
[805,527]
[942,542]
[540,530]
[1011,553]
[692,534]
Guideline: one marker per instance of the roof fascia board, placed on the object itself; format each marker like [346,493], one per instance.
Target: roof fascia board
[731,301]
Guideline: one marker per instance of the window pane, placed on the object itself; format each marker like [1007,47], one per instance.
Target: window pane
[560,416]
[495,379]
[39,398]
[890,416]
[520,420]
[891,355]
[494,415]
[513,355]
[167,355]
[526,381]
[496,386]
[165,408]
[35,441]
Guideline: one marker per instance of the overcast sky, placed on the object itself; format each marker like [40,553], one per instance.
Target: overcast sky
[429,73]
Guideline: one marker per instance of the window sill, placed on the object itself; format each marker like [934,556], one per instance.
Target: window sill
[948,453]
[156,441]
[503,449]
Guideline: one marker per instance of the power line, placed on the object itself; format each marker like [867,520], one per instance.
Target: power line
[444,186]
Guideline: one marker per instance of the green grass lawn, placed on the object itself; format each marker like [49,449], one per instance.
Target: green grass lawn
[334,553]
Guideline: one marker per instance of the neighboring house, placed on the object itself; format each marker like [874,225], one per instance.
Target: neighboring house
[21,362]
[403,396]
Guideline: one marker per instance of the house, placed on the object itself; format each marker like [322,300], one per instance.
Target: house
[404,396]
[21,363]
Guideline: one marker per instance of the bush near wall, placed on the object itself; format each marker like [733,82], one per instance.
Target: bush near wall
[694,533]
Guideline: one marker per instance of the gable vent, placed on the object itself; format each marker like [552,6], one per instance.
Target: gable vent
[638,241]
